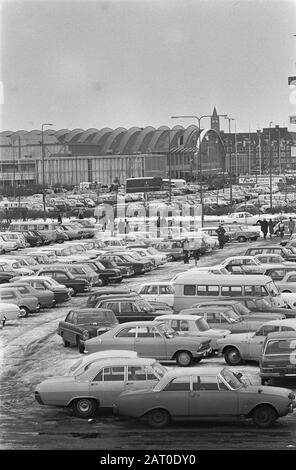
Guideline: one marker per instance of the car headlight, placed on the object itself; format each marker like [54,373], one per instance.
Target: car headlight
[85,335]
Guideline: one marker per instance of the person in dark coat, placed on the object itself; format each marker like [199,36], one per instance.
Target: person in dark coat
[60,219]
[186,248]
[264,228]
[221,236]
[270,227]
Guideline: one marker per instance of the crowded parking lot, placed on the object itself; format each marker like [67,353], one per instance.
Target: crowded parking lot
[35,345]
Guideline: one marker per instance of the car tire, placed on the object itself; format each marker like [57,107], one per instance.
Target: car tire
[84,407]
[184,358]
[24,312]
[102,282]
[264,416]
[158,418]
[74,292]
[66,343]
[232,357]
[241,239]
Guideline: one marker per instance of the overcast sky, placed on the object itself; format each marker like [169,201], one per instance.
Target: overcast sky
[112,63]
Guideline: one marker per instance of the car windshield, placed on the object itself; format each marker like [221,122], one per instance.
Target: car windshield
[51,283]
[166,330]
[231,379]
[31,261]
[144,306]
[241,309]
[202,324]
[272,289]
[231,316]
[98,264]
[262,304]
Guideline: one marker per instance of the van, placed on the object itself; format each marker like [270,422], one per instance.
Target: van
[278,356]
[192,288]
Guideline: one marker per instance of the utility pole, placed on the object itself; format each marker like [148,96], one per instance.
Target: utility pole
[270,166]
[43,169]
[230,160]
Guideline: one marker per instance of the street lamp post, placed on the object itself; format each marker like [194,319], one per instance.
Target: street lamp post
[43,172]
[199,118]
[270,166]
[230,159]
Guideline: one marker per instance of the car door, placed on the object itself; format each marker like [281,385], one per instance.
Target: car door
[139,377]
[255,343]
[175,397]
[211,398]
[213,320]
[150,343]
[107,385]
[67,328]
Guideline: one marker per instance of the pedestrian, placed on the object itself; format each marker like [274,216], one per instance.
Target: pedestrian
[291,226]
[221,236]
[196,252]
[270,227]
[186,248]
[60,221]
[282,229]
[158,226]
[127,227]
[264,228]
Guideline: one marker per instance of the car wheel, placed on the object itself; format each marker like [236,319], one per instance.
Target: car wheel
[232,357]
[102,282]
[241,239]
[158,418]
[264,416]
[184,358]
[84,407]
[24,312]
[66,343]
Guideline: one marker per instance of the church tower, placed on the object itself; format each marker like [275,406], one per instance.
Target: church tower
[215,123]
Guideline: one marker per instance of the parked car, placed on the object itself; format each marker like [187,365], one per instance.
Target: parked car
[278,356]
[173,249]
[45,297]
[206,393]
[84,271]
[130,308]
[288,283]
[8,312]
[157,291]
[64,277]
[85,323]
[243,265]
[99,384]
[32,238]
[109,263]
[139,267]
[240,309]
[46,283]
[105,275]
[154,339]
[278,273]
[7,245]
[288,255]
[14,265]
[237,348]
[259,305]
[241,233]
[193,325]
[27,304]
[87,359]
[225,317]
[5,274]
[94,297]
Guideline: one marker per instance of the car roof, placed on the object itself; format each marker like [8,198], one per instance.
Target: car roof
[155,283]
[281,334]
[138,323]
[85,311]
[227,278]
[125,361]
[184,371]
[179,316]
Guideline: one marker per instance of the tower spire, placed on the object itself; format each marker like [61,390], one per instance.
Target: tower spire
[215,123]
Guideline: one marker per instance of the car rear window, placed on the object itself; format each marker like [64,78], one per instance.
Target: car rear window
[281,346]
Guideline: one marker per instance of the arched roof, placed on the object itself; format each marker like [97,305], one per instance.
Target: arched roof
[111,138]
[124,141]
[87,134]
[100,137]
[141,137]
[73,136]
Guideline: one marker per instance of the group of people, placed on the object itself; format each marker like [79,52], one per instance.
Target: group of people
[268,226]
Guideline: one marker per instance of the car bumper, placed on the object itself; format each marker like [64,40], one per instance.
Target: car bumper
[203,353]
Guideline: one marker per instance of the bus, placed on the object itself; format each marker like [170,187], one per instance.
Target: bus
[192,288]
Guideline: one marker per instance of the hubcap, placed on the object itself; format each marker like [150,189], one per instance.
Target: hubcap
[184,358]
[234,357]
[158,417]
[84,406]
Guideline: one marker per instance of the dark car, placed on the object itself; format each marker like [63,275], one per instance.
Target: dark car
[64,277]
[5,274]
[80,325]
[126,271]
[283,251]
[108,291]
[139,267]
[278,274]
[33,238]
[131,308]
[106,275]
[257,305]
[81,270]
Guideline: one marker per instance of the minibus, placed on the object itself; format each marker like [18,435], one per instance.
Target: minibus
[191,288]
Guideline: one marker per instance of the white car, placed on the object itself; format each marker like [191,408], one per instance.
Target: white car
[193,325]
[216,269]
[84,362]
[6,244]
[289,298]
[157,292]
[243,264]
[151,254]
[241,218]
[15,265]
[288,283]
[8,312]
[272,260]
